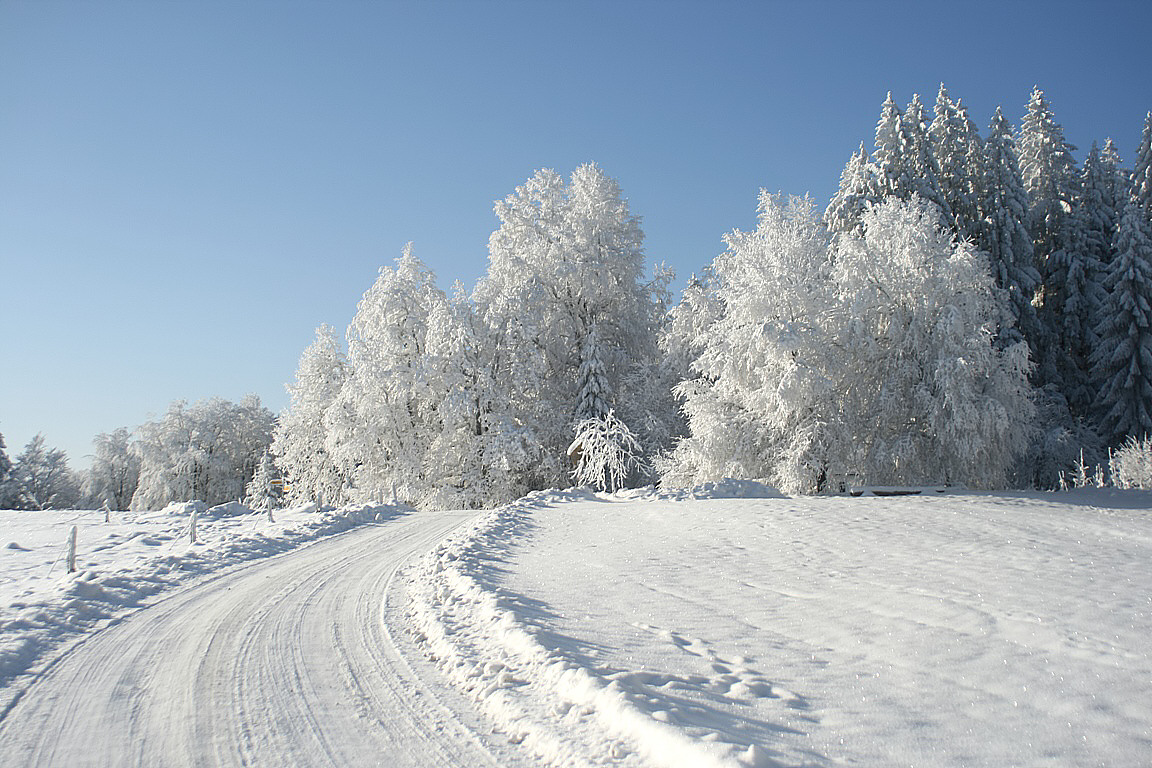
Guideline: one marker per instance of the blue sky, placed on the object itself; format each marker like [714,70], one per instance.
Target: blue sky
[187,189]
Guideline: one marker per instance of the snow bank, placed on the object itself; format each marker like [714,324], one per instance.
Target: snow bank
[122,565]
[541,697]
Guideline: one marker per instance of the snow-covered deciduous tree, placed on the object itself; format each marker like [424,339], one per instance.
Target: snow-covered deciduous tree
[298,443]
[605,453]
[382,422]
[1123,357]
[926,396]
[41,479]
[115,471]
[205,452]
[758,331]
[872,359]
[1003,232]
[567,258]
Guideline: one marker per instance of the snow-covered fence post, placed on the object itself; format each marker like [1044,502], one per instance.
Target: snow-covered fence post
[192,528]
[72,550]
[107,513]
[270,514]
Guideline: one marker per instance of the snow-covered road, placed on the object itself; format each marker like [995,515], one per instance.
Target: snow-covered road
[289,661]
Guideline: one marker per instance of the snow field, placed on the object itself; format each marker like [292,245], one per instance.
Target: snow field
[125,563]
[665,629]
[537,696]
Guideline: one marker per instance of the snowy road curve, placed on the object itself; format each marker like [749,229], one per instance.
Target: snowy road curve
[286,662]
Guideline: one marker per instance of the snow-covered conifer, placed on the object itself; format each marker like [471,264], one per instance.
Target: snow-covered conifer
[298,443]
[1123,357]
[263,492]
[605,453]
[922,172]
[1003,234]
[856,191]
[1142,172]
[956,145]
[888,155]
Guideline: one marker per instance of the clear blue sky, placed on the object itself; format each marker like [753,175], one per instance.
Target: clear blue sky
[187,189]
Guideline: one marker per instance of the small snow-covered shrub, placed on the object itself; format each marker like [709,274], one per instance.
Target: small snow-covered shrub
[607,453]
[1130,465]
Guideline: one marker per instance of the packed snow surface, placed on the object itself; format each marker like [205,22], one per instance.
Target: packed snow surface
[955,629]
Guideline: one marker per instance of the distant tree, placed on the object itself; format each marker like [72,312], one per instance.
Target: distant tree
[298,442]
[206,452]
[922,172]
[1142,172]
[5,474]
[115,471]
[1123,358]
[891,167]
[263,492]
[41,478]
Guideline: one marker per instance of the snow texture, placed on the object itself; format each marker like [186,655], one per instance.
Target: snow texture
[700,629]
[126,564]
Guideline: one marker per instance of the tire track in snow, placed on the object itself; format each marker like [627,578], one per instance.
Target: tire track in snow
[289,661]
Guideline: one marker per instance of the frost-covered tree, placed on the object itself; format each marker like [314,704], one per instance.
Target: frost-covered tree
[298,443]
[605,452]
[890,164]
[1050,180]
[1142,172]
[922,172]
[115,471]
[873,359]
[857,190]
[263,492]
[208,451]
[759,330]
[41,479]
[1123,357]
[567,258]
[1003,232]
[381,424]
[957,148]
[926,394]
[475,457]
[5,474]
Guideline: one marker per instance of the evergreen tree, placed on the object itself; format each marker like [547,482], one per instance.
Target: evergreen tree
[1050,179]
[921,171]
[1123,358]
[1003,233]
[1142,172]
[890,165]
[856,191]
[298,443]
[956,146]
[5,474]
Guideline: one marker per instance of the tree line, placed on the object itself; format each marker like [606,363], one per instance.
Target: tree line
[968,309]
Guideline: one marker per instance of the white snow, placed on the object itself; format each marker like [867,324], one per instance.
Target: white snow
[955,629]
[127,563]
